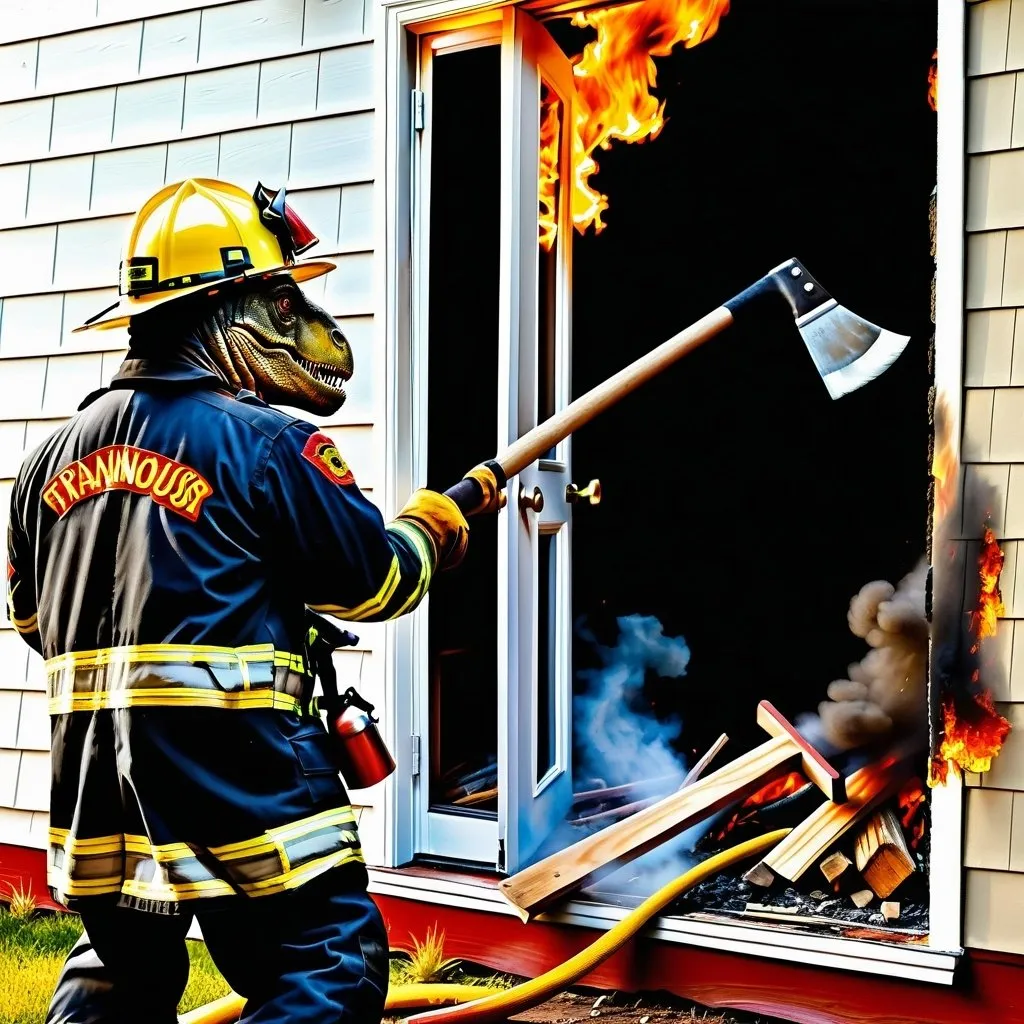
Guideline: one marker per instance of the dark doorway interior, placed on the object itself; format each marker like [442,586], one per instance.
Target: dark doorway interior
[742,507]
[463,421]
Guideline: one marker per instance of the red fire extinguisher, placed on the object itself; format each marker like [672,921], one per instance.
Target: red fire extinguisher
[360,752]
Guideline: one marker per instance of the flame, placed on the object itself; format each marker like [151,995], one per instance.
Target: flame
[911,803]
[945,470]
[974,733]
[775,790]
[550,119]
[614,77]
[911,797]
[933,82]
[984,619]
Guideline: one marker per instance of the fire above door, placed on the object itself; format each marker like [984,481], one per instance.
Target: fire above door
[534,670]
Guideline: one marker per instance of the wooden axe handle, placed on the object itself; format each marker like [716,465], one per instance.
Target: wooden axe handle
[528,448]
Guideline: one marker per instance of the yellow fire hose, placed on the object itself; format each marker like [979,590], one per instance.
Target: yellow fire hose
[473,1003]
[228,1009]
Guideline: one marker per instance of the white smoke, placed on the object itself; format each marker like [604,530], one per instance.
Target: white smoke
[617,744]
[885,693]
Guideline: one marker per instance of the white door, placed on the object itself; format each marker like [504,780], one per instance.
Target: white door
[534,601]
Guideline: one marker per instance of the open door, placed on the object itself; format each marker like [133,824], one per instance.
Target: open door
[534,614]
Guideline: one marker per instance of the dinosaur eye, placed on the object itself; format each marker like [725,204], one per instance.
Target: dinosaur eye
[284,305]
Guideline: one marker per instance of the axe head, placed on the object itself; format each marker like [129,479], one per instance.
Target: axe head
[847,350]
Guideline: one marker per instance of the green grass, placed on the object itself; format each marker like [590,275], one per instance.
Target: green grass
[33,948]
[32,952]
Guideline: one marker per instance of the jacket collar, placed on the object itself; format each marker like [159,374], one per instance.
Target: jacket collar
[173,374]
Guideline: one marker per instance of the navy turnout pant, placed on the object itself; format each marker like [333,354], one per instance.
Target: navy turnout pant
[315,955]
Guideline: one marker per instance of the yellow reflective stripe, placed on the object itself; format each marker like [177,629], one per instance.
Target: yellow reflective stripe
[263,844]
[94,887]
[173,891]
[296,876]
[189,653]
[85,847]
[170,696]
[162,854]
[425,550]
[371,606]
[29,625]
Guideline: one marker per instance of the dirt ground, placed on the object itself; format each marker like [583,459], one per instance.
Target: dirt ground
[614,1008]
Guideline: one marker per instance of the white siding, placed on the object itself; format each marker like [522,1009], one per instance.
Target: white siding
[994,442]
[101,104]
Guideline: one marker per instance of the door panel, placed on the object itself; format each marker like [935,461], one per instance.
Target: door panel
[534,719]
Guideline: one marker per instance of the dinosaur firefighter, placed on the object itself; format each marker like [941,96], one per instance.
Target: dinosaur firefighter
[165,547]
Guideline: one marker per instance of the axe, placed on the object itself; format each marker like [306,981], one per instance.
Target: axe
[848,352]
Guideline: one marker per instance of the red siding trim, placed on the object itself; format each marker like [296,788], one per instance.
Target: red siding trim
[25,868]
[989,989]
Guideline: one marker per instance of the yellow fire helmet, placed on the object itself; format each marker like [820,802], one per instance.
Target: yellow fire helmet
[201,234]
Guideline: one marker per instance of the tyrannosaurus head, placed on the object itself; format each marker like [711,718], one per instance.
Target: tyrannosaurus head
[271,339]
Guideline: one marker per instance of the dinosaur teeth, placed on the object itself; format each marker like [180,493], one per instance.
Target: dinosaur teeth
[320,372]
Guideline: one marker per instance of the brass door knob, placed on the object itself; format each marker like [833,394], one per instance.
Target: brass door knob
[590,494]
[534,500]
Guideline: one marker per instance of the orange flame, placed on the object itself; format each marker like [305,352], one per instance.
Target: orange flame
[614,76]
[775,790]
[984,619]
[974,733]
[550,120]
[911,802]
[945,470]
[933,82]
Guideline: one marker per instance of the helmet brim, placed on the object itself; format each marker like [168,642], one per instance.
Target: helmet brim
[129,306]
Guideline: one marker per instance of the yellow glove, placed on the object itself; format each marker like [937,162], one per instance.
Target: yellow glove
[493,498]
[439,517]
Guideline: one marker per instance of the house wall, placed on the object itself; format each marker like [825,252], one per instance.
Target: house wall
[993,442]
[100,104]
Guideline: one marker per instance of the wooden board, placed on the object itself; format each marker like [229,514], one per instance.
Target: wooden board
[816,768]
[811,839]
[539,886]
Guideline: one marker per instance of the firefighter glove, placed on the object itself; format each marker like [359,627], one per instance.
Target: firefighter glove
[440,519]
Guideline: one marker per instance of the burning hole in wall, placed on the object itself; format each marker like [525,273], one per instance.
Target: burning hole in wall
[743,510]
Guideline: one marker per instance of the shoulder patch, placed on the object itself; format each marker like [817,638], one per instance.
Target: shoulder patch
[323,453]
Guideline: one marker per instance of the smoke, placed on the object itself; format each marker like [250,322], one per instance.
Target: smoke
[616,743]
[885,693]
[620,744]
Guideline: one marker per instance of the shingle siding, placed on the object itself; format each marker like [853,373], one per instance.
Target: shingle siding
[993,442]
[100,105]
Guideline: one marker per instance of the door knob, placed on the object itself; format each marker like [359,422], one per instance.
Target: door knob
[534,500]
[590,494]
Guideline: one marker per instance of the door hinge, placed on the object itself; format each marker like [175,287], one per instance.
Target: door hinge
[415,770]
[419,117]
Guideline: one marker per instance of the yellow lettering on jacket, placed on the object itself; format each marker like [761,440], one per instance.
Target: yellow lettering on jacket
[121,467]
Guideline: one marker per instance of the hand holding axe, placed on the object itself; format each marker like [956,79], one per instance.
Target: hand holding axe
[848,352]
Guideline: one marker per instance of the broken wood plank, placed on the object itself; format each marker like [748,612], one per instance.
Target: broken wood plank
[823,827]
[815,767]
[832,867]
[861,898]
[540,885]
[628,789]
[882,855]
[698,769]
[890,910]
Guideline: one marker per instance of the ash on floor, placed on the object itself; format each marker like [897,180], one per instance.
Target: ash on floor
[728,892]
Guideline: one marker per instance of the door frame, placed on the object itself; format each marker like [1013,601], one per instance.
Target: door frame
[396,24]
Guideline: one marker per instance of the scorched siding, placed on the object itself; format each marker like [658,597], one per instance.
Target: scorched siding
[100,105]
[993,442]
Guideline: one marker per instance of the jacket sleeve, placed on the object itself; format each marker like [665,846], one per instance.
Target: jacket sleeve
[333,540]
[21,590]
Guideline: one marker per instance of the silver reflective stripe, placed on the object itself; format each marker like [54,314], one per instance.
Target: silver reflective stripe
[165,674]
